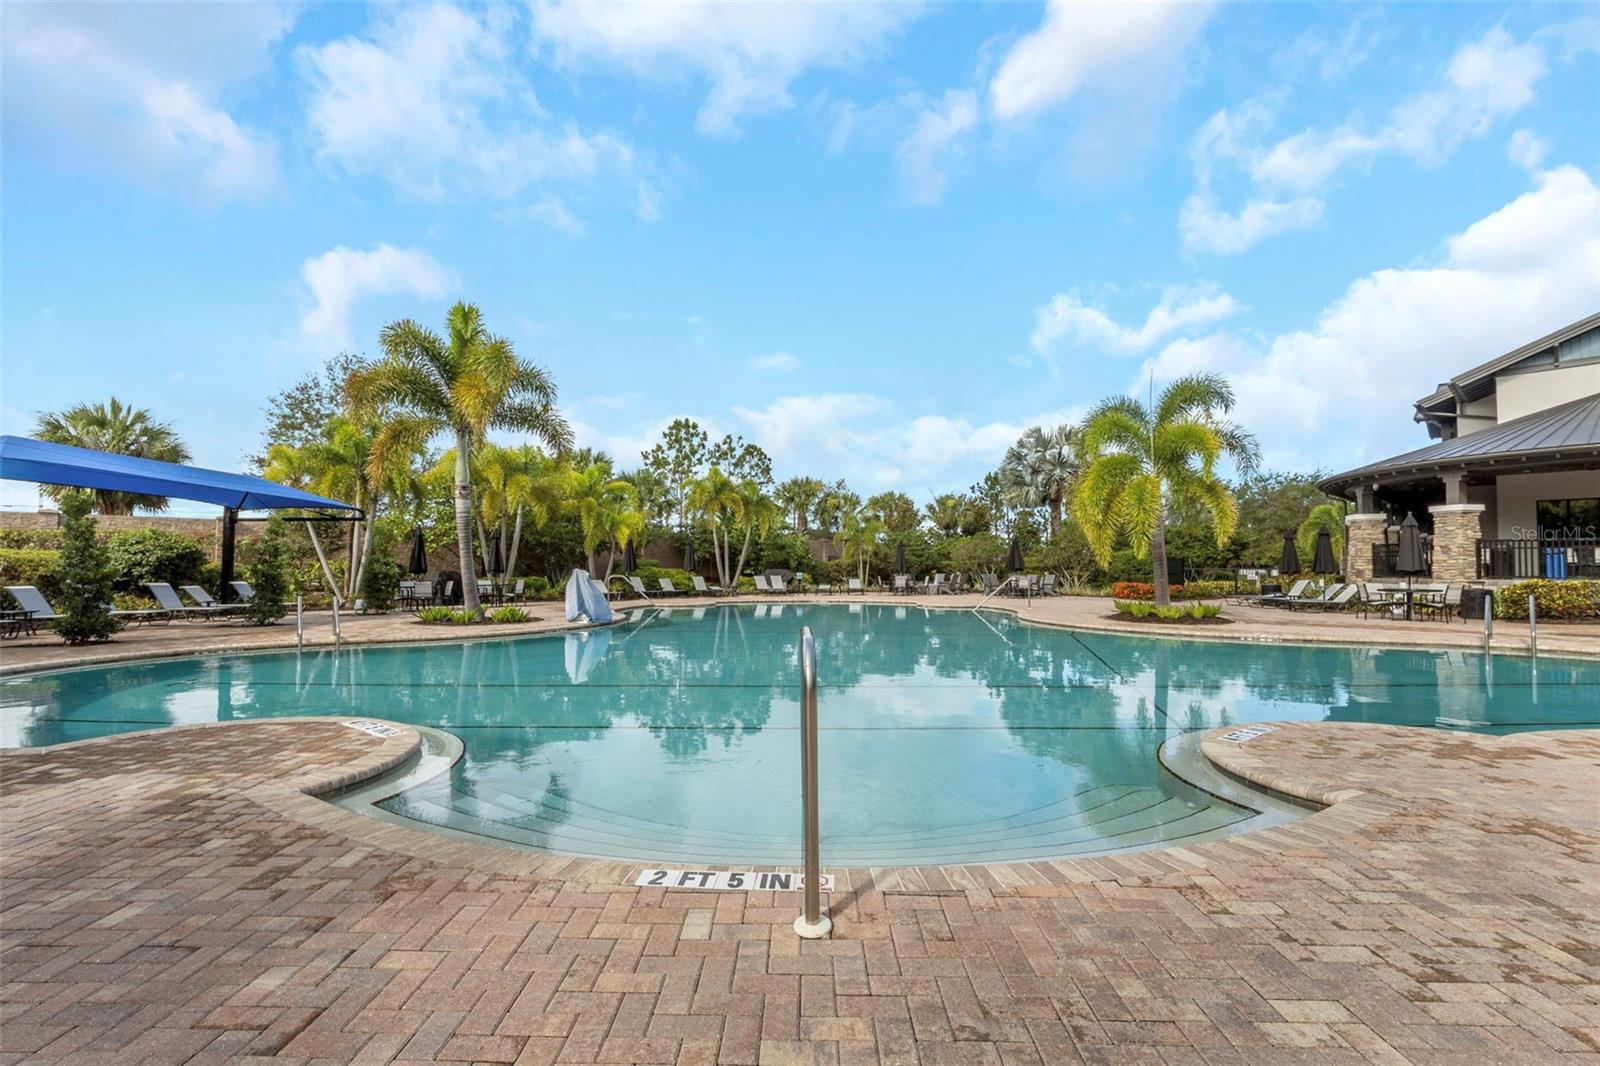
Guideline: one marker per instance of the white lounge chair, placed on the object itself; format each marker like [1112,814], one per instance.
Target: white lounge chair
[703,589]
[762,584]
[637,586]
[856,586]
[668,588]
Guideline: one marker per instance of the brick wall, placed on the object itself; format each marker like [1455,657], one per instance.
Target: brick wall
[1456,530]
[208,531]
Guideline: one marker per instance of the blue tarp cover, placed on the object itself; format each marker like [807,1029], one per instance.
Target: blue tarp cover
[25,459]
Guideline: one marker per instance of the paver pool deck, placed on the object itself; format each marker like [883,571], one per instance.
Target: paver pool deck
[179,896]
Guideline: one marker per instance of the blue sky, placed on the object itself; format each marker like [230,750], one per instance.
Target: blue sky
[879,239]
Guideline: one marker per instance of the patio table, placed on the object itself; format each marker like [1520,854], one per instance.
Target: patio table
[13,623]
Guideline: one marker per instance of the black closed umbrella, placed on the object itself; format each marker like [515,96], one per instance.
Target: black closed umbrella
[497,559]
[418,564]
[1322,561]
[630,559]
[900,558]
[688,553]
[1014,557]
[1290,562]
[1409,559]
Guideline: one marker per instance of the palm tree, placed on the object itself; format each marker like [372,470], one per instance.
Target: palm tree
[717,499]
[798,496]
[948,513]
[1038,470]
[1144,459]
[1329,516]
[607,508]
[121,430]
[465,383]
[831,507]
[757,513]
[861,533]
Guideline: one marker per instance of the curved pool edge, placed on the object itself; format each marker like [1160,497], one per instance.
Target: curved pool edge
[1502,645]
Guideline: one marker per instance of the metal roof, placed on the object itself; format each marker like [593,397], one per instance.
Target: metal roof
[26,459]
[1474,383]
[1568,435]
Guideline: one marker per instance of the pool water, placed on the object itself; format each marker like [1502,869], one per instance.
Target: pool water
[946,736]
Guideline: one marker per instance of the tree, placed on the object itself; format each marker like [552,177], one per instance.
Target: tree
[1329,516]
[741,461]
[1271,502]
[728,506]
[84,577]
[298,415]
[1142,458]
[608,511]
[831,507]
[758,514]
[464,383]
[677,460]
[1038,470]
[897,511]
[267,575]
[951,515]
[121,430]
[861,532]
[797,497]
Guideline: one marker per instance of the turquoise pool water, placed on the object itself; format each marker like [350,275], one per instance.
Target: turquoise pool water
[946,736]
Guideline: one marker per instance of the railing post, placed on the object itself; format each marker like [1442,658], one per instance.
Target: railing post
[1533,624]
[299,620]
[1488,618]
[336,631]
[812,923]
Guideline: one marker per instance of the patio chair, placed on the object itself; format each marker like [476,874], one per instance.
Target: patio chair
[762,584]
[1447,604]
[205,599]
[245,593]
[703,589]
[990,582]
[1048,586]
[519,590]
[637,586]
[856,586]
[1321,597]
[779,585]
[667,587]
[167,600]
[1295,592]
[1341,597]
[902,584]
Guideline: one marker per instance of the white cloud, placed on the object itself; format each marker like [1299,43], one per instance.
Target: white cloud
[432,101]
[137,87]
[750,53]
[782,362]
[1082,42]
[1527,150]
[341,276]
[1340,392]
[1485,81]
[1067,318]
[925,154]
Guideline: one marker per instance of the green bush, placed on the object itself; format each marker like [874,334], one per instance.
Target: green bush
[140,555]
[1557,601]
[30,566]
[39,539]
[85,578]
[380,583]
[650,574]
[444,616]
[1146,609]
[509,615]
[269,576]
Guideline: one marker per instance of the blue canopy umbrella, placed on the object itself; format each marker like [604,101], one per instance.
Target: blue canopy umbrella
[26,459]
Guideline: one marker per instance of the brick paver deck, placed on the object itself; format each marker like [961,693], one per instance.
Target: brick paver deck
[176,896]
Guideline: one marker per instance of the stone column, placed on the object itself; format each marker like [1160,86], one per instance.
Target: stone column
[1361,532]
[1456,529]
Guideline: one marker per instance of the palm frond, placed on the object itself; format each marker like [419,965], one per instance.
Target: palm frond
[1194,395]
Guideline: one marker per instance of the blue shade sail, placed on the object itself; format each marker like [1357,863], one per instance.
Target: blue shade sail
[25,459]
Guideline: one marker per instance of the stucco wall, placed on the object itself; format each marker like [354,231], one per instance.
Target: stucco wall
[1518,494]
[1535,390]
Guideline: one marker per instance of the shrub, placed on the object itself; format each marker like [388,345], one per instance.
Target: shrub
[509,615]
[141,555]
[30,566]
[650,574]
[1205,610]
[38,539]
[1145,609]
[379,583]
[444,616]
[268,576]
[1557,601]
[84,578]
[1133,590]
[1202,590]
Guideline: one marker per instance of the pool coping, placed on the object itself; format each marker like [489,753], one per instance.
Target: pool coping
[1208,634]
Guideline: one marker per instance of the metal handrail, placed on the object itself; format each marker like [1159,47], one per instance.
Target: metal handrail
[812,923]
[997,590]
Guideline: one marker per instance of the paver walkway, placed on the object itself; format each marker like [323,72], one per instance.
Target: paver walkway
[164,898]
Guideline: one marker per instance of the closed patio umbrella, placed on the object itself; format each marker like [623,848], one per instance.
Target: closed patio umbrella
[630,559]
[900,558]
[1409,559]
[1323,562]
[418,563]
[497,559]
[688,553]
[1289,563]
[1014,557]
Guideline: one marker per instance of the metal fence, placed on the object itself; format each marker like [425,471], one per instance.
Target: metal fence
[1386,556]
[1557,559]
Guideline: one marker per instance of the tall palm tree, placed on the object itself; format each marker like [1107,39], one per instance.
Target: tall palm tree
[464,383]
[117,428]
[608,511]
[948,513]
[1329,516]
[861,532]
[1144,459]
[757,514]
[798,496]
[831,507]
[1038,470]
[716,498]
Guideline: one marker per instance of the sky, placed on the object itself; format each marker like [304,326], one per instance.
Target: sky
[878,239]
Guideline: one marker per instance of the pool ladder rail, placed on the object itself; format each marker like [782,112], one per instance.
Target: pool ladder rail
[812,924]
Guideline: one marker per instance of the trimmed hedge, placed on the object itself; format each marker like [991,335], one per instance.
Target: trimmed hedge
[1558,601]
[30,566]
[141,555]
[30,538]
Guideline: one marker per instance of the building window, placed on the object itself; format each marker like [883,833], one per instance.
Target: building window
[1566,519]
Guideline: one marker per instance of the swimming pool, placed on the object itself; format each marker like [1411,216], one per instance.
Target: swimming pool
[946,736]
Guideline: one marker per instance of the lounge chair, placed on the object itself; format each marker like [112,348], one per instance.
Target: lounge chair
[245,593]
[39,610]
[205,599]
[637,586]
[1321,597]
[762,584]
[167,600]
[667,587]
[855,586]
[1342,595]
[703,589]
[1277,599]
[779,586]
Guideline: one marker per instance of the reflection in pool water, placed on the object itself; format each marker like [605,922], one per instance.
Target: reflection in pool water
[947,736]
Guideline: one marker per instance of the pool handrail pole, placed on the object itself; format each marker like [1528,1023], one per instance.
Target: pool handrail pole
[299,620]
[336,631]
[1533,624]
[812,923]
[996,592]
[1488,618]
